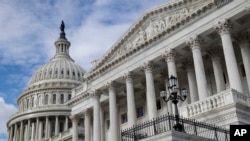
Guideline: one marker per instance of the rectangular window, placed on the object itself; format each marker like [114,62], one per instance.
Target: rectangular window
[140,112]
[124,118]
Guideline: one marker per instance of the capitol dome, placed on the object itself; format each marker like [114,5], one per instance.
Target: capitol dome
[60,68]
[42,111]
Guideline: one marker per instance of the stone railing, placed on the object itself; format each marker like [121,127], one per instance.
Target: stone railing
[226,97]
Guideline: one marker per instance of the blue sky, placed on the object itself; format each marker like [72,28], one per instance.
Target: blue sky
[29,28]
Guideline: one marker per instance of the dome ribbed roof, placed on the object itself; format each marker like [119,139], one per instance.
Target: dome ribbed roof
[61,67]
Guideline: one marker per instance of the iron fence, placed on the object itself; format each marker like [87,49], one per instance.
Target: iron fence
[166,122]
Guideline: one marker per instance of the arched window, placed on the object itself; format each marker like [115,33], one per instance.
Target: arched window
[54,99]
[28,103]
[61,98]
[46,99]
[32,101]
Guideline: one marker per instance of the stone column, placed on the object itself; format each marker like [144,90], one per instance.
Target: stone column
[223,28]
[243,40]
[150,90]
[74,120]
[40,132]
[97,124]
[130,99]
[191,81]
[28,130]
[215,53]
[66,123]
[102,124]
[114,130]
[32,131]
[56,126]
[21,131]
[46,127]
[15,132]
[87,125]
[37,128]
[194,44]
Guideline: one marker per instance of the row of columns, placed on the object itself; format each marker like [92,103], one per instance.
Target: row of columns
[34,130]
[196,79]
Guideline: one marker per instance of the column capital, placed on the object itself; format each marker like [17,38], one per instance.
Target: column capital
[147,66]
[243,37]
[215,51]
[223,27]
[111,85]
[74,118]
[128,75]
[96,94]
[194,42]
[169,55]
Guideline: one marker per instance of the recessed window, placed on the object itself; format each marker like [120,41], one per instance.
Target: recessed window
[158,104]
[54,99]
[61,128]
[61,71]
[140,112]
[124,118]
[46,99]
[61,98]
[69,96]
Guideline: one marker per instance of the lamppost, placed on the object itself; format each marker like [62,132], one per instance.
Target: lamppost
[175,97]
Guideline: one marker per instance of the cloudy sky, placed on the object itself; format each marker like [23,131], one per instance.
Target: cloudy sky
[28,29]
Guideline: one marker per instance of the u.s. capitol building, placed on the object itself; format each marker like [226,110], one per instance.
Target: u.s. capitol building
[204,43]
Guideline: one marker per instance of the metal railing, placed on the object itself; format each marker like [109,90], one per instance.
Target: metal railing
[166,122]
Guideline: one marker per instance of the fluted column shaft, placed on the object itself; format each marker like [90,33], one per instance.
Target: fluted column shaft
[223,28]
[97,124]
[243,40]
[32,131]
[46,127]
[66,123]
[102,124]
[40,130]
[37,128]
[28,130]
[57,126]
[114,130]
[21,131]
[15,132]
[87,125]
[150,90]
[130,99]
[201,80]
[74,120]
[192,84]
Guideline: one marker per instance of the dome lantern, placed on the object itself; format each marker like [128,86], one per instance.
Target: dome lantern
[62,44]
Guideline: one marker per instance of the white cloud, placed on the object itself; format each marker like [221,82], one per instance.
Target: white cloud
[5,114]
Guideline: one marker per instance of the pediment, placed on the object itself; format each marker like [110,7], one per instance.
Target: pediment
[152,24]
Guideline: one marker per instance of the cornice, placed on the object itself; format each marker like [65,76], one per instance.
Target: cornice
[78,98]
[102,65]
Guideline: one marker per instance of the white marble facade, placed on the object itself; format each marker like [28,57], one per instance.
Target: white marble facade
[205,43]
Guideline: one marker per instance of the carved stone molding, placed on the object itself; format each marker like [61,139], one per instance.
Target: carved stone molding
[147,66]
[215,51]
[194,42]
[169,55]
[74,118]
[128,75]
[111,85]
[223,27]
[96,94]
